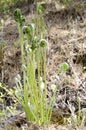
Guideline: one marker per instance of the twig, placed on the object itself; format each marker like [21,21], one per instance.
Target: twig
[74,40]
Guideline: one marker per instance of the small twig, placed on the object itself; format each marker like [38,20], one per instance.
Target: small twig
[77,79]
[74,40]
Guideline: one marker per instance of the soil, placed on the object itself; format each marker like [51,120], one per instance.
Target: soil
[66,35]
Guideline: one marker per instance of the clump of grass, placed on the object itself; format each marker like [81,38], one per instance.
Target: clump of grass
[6,107]
[5,4]
[31,89]
[77,120]
[74,4]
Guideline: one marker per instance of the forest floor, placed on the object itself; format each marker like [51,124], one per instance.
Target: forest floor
[66,35]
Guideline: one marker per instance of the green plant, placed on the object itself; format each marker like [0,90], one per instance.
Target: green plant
[64,66]
[31,91]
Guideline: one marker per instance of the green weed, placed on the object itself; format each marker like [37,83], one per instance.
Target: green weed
[31,90]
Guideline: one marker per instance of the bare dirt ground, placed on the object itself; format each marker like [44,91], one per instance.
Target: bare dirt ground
[66,35]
